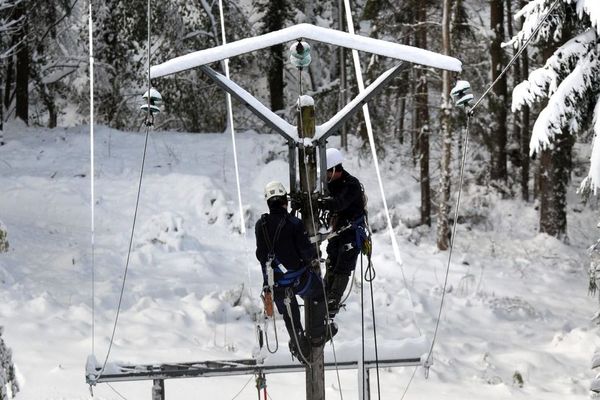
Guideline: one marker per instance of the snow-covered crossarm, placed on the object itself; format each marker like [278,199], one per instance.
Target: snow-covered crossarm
[397,353]
[311,32]
[269,117]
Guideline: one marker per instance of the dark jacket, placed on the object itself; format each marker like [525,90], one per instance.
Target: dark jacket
[292,248]
[347,202]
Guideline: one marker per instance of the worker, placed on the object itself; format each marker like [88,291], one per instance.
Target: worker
[283,249]
[347,219]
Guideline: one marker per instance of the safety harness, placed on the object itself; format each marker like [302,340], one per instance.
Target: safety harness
[285,277]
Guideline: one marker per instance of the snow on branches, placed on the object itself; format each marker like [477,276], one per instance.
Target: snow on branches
[8,381]
[568,80]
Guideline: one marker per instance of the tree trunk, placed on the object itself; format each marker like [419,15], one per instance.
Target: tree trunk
[275,78]
[23,65]
[444,189]
[555,165]
[525,133]
[422,120]
[498,102]
[10,77]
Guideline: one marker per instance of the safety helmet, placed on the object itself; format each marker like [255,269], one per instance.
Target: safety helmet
[334,157]
[274,189]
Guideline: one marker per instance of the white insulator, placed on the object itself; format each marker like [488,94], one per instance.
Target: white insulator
[155,97]
[153,109]
[300,54]
[461,93]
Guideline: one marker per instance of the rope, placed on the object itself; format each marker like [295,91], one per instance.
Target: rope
[372,277]
[288,308]
[231,126]
[517,54]
[242,389]
[92,173]
[362,331]
[274,329]
[116,391]
[148,123]
[361,88]
[453,237]
[137,201]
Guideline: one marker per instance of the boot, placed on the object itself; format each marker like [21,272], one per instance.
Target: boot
[332,330]
[335,293]
[304,348]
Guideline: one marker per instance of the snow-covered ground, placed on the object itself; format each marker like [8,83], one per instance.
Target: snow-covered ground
[516,300]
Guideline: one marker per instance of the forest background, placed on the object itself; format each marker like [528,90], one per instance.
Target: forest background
[525,135]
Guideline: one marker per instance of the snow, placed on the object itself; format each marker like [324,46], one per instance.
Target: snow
[516,300]
[309,32]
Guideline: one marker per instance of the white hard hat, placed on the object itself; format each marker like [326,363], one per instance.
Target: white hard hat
[274,189]
[334,157]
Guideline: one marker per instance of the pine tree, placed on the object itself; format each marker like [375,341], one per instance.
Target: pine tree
[275,16]
[568,89]
[8,381]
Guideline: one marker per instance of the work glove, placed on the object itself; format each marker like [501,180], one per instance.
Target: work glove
[326,203]
[315,265]
[295,201]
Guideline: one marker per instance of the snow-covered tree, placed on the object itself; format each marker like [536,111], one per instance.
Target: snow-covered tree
[3,238]
[568,90]
[8,381]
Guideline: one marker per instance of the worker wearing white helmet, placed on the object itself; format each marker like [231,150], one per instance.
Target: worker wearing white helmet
[283,245]
[346,205]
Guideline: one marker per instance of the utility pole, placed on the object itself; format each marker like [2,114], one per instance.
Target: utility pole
[307,163]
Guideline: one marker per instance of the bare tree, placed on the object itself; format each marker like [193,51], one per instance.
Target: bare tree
[422,115]
[498,102]
[444,188]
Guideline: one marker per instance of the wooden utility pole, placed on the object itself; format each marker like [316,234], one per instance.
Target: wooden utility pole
[307,162]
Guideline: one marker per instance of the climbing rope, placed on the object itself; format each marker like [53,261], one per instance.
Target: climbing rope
[369,276]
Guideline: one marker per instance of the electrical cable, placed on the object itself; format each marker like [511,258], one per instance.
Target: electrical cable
[453,236]
[242,389]
[463,162]
[112,337]
[92,176]
[514,58]
[116,391]
[148,123]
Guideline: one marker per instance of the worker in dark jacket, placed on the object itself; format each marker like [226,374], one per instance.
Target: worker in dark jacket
[290,267]
[346,205]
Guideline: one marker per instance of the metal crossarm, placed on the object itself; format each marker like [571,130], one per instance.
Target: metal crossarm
[130,372]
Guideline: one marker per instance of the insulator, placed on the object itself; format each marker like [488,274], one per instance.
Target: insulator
[155,97]
[153,109]
[461,93]
[300,54]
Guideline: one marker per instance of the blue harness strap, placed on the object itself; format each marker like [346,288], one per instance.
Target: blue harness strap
[361,232]
[290,277]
